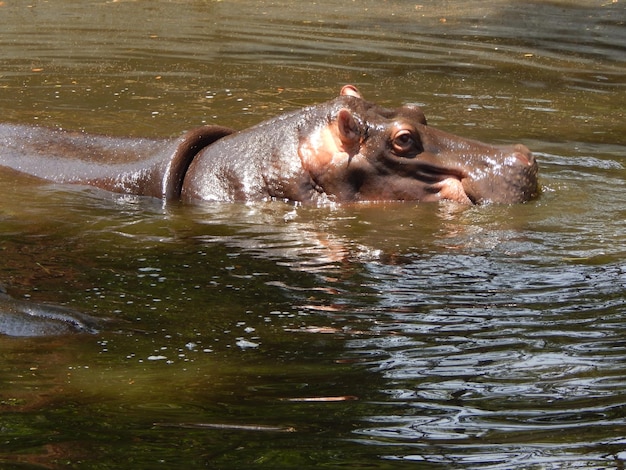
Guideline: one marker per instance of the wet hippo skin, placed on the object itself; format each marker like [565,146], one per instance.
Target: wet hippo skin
[351,150]
[144,167]
[27,318]
[344,150]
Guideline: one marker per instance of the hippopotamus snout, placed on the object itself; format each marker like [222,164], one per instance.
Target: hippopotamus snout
[509,177]
[450,167]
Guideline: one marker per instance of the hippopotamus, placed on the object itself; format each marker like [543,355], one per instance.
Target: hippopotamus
[344,150]
[28,318]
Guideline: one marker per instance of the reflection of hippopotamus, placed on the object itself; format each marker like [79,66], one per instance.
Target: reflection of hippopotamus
[343,150]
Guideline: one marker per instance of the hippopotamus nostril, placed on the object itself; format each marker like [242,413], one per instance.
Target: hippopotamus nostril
[523,155]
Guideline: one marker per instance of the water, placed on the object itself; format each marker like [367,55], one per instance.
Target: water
[273,336]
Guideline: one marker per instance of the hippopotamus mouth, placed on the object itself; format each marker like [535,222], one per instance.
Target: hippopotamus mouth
[449,186]
[509,179]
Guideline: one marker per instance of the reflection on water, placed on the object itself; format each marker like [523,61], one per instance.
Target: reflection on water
[486,349]
[380,336]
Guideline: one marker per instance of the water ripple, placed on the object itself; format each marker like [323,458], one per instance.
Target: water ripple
[483,348]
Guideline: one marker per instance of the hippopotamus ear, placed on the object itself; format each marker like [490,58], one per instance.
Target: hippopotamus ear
[350,90]
[337,141]
[349,132]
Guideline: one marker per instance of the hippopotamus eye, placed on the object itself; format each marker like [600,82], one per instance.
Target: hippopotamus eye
[404,143]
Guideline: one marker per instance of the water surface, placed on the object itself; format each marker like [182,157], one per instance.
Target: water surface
[274,336]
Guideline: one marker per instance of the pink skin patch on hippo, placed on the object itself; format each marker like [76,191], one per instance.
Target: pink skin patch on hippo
[322,150]
[452,189]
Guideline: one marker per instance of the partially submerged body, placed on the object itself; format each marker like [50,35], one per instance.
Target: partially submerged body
[344,150]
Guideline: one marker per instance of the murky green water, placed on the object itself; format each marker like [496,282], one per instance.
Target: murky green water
[269,336]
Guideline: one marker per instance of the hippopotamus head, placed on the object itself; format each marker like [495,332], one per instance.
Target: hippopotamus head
[348,150]
[365,152]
